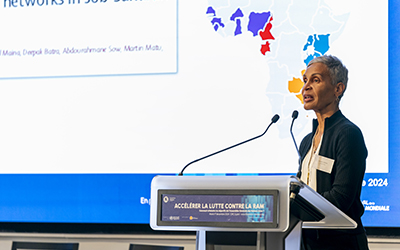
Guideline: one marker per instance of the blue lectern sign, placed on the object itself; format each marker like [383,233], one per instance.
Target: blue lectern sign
[244,208]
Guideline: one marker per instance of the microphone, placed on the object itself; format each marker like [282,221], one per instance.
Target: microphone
[295,114]
[273,120]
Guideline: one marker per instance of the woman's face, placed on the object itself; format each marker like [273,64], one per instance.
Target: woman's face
[318,92]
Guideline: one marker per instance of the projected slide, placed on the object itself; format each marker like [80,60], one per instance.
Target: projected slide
[234,66]
[87,37]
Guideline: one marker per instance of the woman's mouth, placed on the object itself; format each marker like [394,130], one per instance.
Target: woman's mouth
[307,98]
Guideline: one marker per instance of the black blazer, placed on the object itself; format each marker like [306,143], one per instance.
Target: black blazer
[344,143]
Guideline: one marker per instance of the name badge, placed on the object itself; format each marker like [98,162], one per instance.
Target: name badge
[323,164]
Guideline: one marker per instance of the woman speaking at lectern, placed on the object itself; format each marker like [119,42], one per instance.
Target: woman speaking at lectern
[333,155]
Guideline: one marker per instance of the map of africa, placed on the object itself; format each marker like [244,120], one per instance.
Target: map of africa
[290,35]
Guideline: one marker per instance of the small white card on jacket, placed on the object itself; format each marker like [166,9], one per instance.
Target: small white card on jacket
[324,164]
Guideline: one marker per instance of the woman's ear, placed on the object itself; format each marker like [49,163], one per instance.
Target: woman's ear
[339,89]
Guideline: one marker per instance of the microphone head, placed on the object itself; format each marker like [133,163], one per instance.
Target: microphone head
[275,118]
[295,114]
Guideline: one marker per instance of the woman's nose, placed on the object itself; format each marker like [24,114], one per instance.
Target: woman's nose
[306,86]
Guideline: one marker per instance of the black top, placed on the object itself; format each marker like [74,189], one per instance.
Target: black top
[344,143]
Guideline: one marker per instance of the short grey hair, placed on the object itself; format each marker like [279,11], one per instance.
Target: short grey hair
[337,71]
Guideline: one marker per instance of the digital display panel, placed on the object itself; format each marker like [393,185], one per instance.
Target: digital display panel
[226,208]
[98,97]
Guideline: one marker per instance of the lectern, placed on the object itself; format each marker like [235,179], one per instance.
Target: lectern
[269,210]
